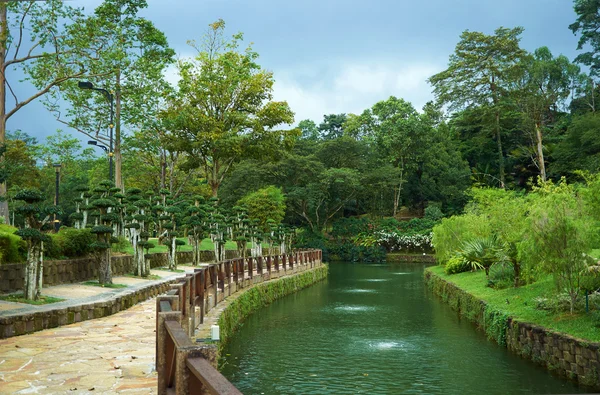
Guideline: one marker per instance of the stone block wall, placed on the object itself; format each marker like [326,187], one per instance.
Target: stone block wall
[21,324]
[562,354]
[77,270]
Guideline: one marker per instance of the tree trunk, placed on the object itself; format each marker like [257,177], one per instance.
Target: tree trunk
[540,152]
[517,269]
[85,214]
[117,142]
[40,271]
[214,187]
[30,285]
[104,269]
[172,254]
[3,40]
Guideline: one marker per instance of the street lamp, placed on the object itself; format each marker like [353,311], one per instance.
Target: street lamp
[95,144]
[57,167]
[109,96]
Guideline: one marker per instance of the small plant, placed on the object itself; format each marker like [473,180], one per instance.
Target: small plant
[456,265]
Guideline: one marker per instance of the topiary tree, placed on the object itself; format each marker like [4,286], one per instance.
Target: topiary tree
[197,229]
[80,215]
[240,234]
[104,229]
[137,225]
[218,231]
[169,235]
[35,219]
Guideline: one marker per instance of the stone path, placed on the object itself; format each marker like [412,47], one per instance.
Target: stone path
[114,354]
[78,294]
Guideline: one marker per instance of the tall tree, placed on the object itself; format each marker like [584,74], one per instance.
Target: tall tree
[545,84]
[131,54]
[36,37]
[477,76]
[224,106]
[588,25]
[332,126]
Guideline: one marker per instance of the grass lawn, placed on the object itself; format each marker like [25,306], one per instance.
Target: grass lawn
[18,298]
[520,303]
[206,245]
[96,284]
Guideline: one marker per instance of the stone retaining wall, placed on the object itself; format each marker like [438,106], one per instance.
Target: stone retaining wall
[21,324]
[562,354]
[83,269]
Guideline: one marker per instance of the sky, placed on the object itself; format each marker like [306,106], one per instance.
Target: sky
[341,56]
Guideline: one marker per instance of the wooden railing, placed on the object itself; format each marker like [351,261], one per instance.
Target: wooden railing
[183,366]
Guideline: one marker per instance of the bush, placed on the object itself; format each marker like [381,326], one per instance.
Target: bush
[456,265]
[502,276]
[12,248]
[120,244]
[307,239]
[450,235]
[70,243]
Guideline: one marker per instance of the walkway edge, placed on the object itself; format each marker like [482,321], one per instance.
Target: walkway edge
[560,353]
[25,323]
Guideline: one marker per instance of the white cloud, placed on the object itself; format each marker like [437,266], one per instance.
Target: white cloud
[352,88]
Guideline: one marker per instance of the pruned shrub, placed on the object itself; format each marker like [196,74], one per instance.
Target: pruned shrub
[12,247]
[457,264]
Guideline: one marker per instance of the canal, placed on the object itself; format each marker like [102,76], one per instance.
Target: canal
[373,329]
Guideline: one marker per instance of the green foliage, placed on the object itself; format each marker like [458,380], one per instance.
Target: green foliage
[501,276]
[481,252]
[433,213]
[561,234]
[457,264]
[450,235]
[264,205]
[70,243]
[239,117]
[12,248]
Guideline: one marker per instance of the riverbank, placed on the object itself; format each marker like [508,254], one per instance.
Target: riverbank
[236,308]
[566,345]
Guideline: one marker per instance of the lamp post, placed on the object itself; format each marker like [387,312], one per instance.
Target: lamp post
[109,96]
[57,167]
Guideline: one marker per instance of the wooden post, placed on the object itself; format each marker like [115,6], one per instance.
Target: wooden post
[201,294]
[269,264]
[250,268]
[166,350]
[277,263]
[259,265]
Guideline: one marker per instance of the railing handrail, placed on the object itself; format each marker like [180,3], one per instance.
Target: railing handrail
[181,364]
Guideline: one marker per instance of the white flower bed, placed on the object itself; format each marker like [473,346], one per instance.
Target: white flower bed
[395,242]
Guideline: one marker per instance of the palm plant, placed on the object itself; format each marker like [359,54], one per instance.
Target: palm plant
[482,253]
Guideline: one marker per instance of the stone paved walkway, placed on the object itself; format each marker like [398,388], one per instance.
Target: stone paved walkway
[114,354]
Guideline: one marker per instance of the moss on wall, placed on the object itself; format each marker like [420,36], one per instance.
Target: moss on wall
[263,294]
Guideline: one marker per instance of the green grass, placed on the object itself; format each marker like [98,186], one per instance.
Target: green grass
[96,284]
[19,298]
[205,245]
[519,303]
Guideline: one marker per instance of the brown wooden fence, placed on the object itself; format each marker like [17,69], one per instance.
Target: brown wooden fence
[183,366]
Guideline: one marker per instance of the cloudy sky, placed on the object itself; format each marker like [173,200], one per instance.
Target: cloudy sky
[334,56]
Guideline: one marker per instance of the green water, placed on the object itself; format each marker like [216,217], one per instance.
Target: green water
[373,329]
